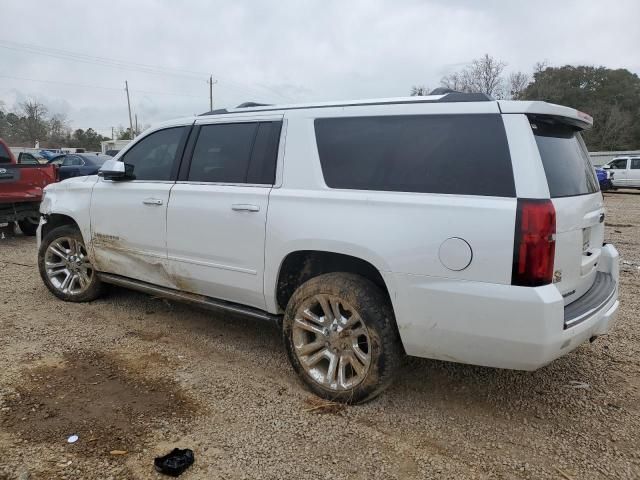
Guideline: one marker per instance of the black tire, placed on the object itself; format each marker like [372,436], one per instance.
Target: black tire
[375,313]
[94,287]
[607,185]
[29,226]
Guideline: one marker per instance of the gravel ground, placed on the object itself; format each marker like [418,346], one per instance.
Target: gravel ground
[141,375]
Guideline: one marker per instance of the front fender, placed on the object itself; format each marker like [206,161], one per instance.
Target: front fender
[71,198]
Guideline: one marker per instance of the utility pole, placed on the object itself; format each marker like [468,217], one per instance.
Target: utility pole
[112,134]
[126,87]
[211,83]
[136,124]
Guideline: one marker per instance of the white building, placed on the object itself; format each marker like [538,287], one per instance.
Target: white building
[114,145]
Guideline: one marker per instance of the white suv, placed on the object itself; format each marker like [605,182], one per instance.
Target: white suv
[451,226]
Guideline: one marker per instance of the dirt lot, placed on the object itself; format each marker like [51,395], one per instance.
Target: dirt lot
[142,375]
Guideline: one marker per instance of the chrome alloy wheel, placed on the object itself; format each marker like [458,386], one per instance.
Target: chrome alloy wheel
[67,266]
[331,342]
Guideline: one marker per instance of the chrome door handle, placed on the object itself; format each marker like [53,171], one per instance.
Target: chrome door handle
[152,201]
[245,207]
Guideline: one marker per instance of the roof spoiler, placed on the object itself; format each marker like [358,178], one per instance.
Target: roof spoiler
[565,115]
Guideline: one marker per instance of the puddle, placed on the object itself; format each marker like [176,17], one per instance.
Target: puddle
[95,396]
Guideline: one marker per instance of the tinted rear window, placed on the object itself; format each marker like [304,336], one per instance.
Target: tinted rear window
[457,154]
[4,155]
[565,159]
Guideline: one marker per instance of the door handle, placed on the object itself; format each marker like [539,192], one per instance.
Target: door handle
[152,201]
[245,207]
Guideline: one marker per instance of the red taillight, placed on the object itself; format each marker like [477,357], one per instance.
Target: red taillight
[534,247]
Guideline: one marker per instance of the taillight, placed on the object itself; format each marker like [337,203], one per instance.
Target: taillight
[535,245]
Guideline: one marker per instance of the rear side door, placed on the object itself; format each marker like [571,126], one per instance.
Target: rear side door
[128,217]
[218,209]
[634,173]
[618,169]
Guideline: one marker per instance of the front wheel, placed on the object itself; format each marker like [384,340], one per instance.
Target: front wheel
[340,335]
[65,267]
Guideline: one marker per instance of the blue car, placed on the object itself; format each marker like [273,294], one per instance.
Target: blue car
[604,179]
[79,164]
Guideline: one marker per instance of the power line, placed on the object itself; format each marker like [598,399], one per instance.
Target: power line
[102,61]
[127,65]
[119,90]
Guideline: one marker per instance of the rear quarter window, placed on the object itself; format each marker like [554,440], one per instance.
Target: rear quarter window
[451,154]
[565,158]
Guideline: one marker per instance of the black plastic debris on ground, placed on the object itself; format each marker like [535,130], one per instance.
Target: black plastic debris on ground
[175,462]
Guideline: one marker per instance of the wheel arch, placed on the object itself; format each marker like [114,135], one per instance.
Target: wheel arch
[298,266]
[55,220]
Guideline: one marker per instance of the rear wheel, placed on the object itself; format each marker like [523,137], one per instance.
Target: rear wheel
[65,267]
[340,335]
[28,226]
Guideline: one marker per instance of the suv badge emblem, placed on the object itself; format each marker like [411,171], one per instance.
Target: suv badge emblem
[3,171]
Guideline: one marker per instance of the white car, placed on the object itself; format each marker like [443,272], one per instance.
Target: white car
[450,226]
[624,172]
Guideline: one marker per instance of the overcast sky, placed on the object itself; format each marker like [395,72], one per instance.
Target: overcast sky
[282,51]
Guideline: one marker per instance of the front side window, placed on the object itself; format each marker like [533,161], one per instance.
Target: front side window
[155,156]
[455,154]
[620,164]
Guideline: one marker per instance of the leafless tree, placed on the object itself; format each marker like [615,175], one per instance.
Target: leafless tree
[518,81]
[485,74]
[540,67]
[34,125]
[58,128]
[419,91]
[482,75]
[457,81]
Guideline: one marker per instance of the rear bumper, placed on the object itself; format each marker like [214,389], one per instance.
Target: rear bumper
[494,325]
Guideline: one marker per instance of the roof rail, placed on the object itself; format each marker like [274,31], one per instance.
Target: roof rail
[447,96]
[253,104]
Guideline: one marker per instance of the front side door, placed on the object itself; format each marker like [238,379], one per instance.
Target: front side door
[128,217]
[634,173]
[218,209]
[619,170]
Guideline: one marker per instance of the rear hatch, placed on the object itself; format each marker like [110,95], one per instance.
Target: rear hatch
[576,197]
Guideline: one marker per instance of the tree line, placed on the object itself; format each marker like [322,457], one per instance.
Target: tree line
[30,122]
[610,96]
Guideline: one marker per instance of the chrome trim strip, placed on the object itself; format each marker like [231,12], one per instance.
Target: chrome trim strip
[212,265]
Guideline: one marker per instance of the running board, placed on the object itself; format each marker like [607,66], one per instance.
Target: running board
[192,298]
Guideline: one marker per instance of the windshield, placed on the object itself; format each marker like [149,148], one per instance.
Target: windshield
[565,159]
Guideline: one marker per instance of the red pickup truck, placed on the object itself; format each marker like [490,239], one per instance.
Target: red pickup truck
[21,190]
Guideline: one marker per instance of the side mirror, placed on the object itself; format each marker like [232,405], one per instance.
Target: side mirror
[605,167]
[115,170]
